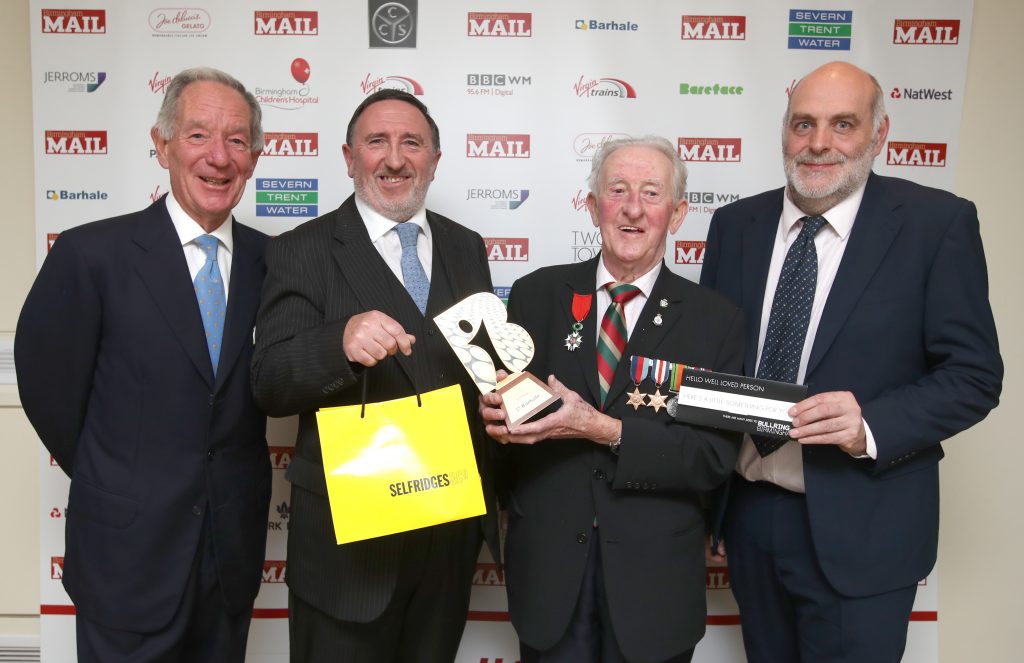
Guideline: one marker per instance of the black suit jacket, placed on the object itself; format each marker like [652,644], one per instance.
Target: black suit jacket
[115,376]
[319,276]
[646,500]
[907,328]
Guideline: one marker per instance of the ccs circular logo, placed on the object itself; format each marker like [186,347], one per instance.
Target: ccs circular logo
[392,23]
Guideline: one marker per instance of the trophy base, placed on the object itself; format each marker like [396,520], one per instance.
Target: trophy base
[523,395]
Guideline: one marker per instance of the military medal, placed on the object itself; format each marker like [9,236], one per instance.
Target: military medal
[580,310]
[659,372]
[638,370]
[675,379]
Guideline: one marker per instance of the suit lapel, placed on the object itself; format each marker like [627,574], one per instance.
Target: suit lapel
[582,282]
[758,242]
[243,299]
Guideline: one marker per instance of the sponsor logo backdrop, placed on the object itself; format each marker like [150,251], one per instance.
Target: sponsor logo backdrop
[524,93]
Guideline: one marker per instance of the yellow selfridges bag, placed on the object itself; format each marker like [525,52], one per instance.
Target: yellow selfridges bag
[399,465]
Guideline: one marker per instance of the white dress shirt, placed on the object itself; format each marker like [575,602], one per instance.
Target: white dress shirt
[388,244]
[632,308]
[188,230]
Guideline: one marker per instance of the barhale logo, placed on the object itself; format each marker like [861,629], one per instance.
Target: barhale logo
[488,575]
[288,23]
[76,81]
[76,142]
[586,145]
[926,32]
[711,150]
[589,24]
[498,146]
[372,83]
[291,144]
[901,153]
[286,197]
[392,24]
[500,198]
[499,24]
[820,30]
[690,252]
[585,244]
[280,457]
[179,22]
[64,194]
[75,21]
[603,87]
[507,249]
[728,28]
[56,568]
[922,94]
[274,571]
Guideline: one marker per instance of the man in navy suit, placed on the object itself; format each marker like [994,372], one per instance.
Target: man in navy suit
[828,535]
[132,353]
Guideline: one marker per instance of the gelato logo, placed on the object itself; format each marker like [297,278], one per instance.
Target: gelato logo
[76,81]
[291,144]
[179,22]
[392,24]
[690,252]
[710,90]
[586,244]
[287,23]
[916,154]
[274,571]
[586,145]
[500,198]
[75,142]
[707,202]
[922,94]
[64,194]
[286,197]
[507,249]
[730,28]
[289,97]
[926,32]
[603,87]
[498,146]
[158,84]
[589,24]
[74,21]
[820,30]
[372,83]
[711,150]
[499,24]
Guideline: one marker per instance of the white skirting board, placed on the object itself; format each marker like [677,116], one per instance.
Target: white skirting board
[19,649]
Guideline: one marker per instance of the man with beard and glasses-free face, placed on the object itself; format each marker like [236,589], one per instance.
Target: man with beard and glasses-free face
[873,292]
[350,299]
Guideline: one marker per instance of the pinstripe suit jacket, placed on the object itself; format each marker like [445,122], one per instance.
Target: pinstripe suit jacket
[319,276]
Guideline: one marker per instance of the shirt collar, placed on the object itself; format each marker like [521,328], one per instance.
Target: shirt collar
[188,230]
[645,282]
[378,225]
[840,218]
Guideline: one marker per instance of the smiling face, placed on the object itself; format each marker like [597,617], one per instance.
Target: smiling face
[210,155]
[634,210]
[392,161]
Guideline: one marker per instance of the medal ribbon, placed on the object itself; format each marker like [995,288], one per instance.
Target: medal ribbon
[581,306]
[639,368]
[660,370]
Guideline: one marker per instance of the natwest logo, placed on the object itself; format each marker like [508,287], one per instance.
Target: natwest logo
[291,145]
[507,249]
[303,24]
[75,21]
[926,32]
[689,252]
[56,568]
[499,24]
[76,142]
[916,154]
[274,570]
[603,87]
[498,146]
[922,94]
[715,27]
[711,150]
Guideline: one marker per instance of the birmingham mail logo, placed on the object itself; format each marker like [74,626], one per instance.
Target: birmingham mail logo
[291,145]
[498,146]
[603,87]
[901,153]
[286,197]
[507,249]
[372,83]
[690,252]
[50,239]
[74,21]
[499,24]
[488,575]
[711,150]
[274,571]
[717,577]
[286,23]
[716,28]
[392,24]
[508,199]
[75,143]
[76,81]
[56,568]
[820,30]
[926,32]
[280,457]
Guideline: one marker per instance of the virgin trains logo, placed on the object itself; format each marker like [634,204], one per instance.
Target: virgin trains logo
[603,87]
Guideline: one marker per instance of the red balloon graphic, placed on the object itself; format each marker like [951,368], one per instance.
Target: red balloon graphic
[300,70]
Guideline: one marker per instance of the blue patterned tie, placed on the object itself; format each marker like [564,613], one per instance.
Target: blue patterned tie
[416,281]
[210,295]
[791,311]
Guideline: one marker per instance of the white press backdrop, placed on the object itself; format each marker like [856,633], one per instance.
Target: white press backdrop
[523,92]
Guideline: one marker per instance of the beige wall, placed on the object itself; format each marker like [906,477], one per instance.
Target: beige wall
[981,588]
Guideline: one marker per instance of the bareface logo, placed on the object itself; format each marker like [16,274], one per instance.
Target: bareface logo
[287,23]
[291,144]
[499,24]
[689,252]
[496,85]
[286,197]
[499,198]
[288,96]
[586,145]
[56,568]
[603,87]
[498,146]
[64,194]
[392,24]
[731,28]
[710,90]
[921,94]
[901,153]
[488,575]
[274,571]
[925,32]
[711,150]
[372,83]
[280,457]
[75,21]
[585,244]
[507,249]
[179,22]
[589,24]
[76,81]
[820,30]
[158,84]
[76,142]
[707,202]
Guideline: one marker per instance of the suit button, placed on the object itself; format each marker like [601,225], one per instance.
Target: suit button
[210,399]
[599,475]
[430,332]
[196,510]
[645,486]
[581,537]
[209,455]
[629,484]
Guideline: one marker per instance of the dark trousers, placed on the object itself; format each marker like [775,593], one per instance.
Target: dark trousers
[789,611]
[424,621]
[199,632]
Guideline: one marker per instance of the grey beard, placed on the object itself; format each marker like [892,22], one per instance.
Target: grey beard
[813,198]
[400,211]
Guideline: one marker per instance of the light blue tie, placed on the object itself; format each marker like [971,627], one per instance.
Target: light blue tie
[210,295]
[415,278]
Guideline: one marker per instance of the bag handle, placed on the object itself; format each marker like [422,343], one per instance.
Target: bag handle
[366,379]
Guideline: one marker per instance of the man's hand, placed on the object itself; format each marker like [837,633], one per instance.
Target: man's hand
[830,418]
[574,419]
[492,412]
[716,556]
[370,337]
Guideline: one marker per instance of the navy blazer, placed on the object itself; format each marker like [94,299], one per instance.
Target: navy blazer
[907,328]
[115,376]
